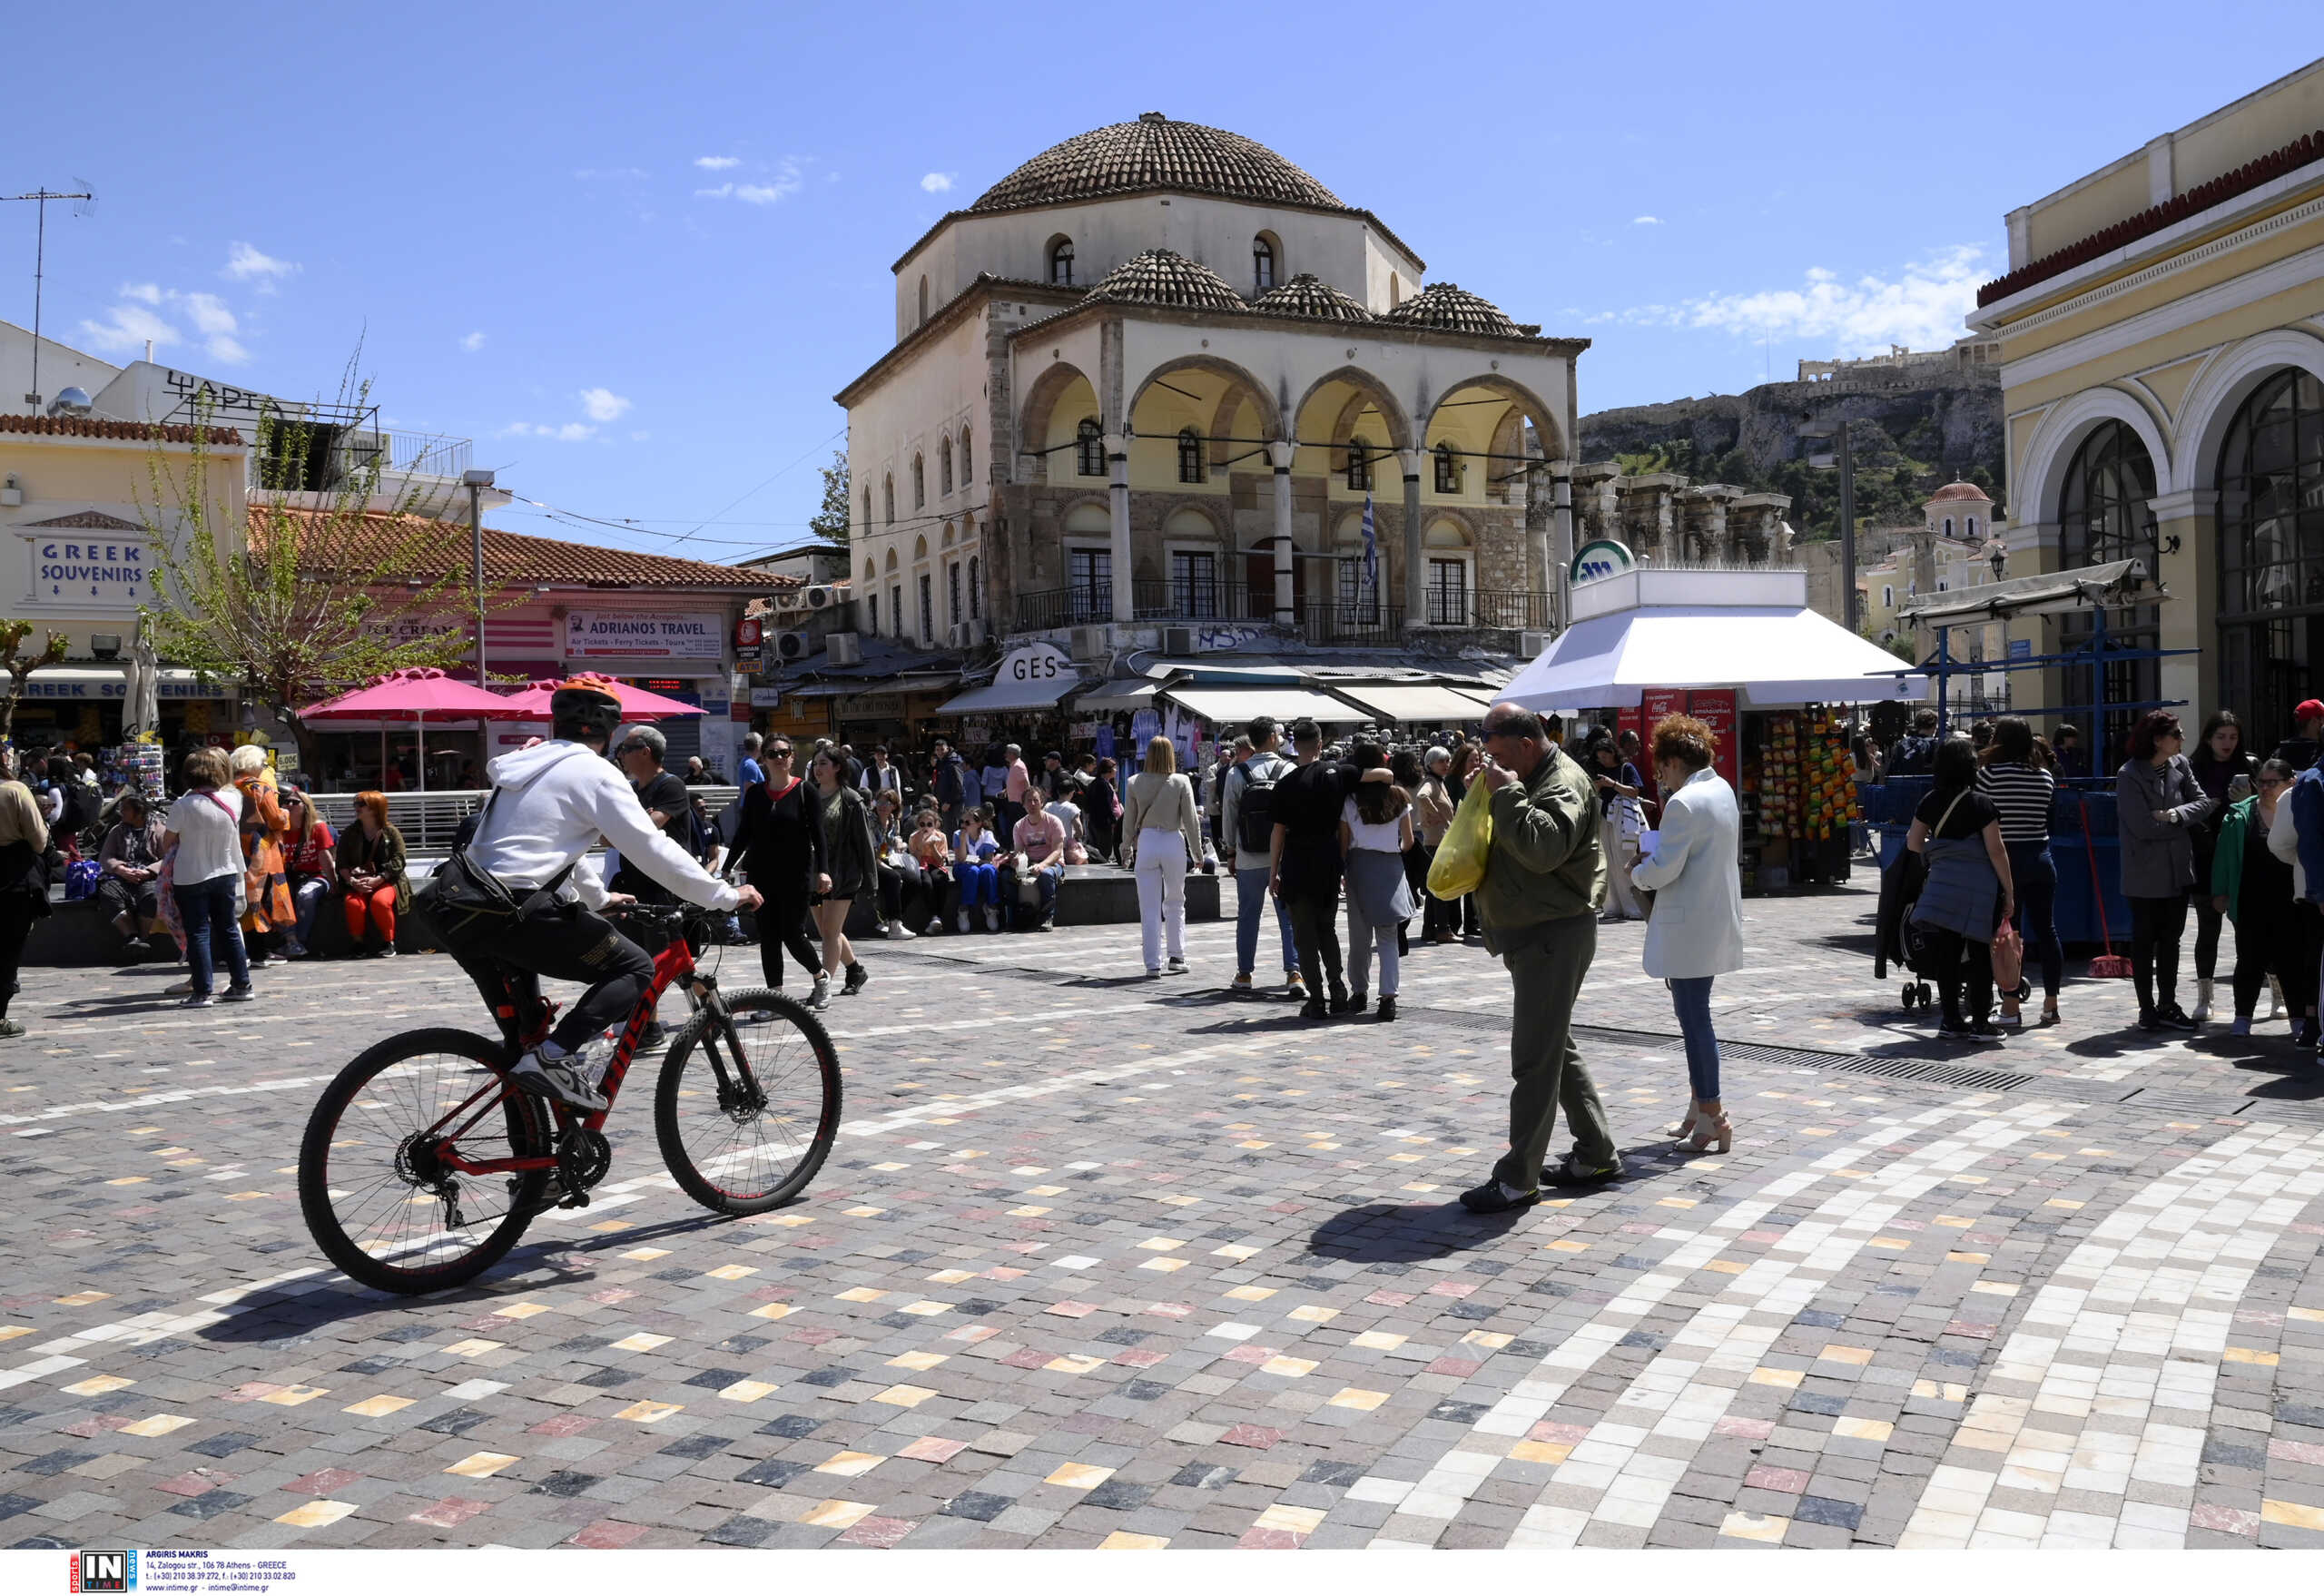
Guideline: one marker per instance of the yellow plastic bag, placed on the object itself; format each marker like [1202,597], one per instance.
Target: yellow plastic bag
[1459,866]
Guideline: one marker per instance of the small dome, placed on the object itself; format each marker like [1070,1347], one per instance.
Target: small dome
[1164,277]
[1155,152]
[1959,491]
[1309,295]
[1455,310]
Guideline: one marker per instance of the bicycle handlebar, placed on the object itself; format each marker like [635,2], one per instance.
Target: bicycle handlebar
[671,915]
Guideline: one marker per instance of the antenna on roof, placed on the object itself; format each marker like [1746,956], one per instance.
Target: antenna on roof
[84,202]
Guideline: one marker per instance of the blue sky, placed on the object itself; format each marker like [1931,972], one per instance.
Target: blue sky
[633,251]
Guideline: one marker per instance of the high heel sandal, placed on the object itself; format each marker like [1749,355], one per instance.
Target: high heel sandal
[1715,1129]
[1686,1126]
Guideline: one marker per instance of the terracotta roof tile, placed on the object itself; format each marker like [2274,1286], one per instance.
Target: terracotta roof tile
[99,426]
[1456,310]
[1956,490]
[1310,296]
[1155,152]
[1164,277]
[513,559]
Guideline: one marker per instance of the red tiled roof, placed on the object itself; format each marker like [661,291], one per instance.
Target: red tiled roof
[98,427]
[511,558]
[2155,218]
[1953,490]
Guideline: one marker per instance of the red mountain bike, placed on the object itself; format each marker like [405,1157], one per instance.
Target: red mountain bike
[422,1165]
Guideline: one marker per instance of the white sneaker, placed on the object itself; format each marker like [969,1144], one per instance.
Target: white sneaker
[2202,1001]
[898,931]
[965,922]
[558,1080]
[821,998]
[991,917]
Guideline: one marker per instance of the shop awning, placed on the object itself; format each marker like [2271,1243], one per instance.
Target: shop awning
[1223,706]
[1002,696]
[1415,702]
[2106,586]
[1773,656]
[111,680]
[1108,697]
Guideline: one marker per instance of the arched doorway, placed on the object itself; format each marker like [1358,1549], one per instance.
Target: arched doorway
[2272,555]
[2103,517]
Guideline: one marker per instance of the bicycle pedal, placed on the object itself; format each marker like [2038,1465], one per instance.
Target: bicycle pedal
[576,1199]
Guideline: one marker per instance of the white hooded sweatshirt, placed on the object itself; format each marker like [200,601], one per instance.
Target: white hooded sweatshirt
[554,801]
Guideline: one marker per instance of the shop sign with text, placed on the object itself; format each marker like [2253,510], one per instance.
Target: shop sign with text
[602,634]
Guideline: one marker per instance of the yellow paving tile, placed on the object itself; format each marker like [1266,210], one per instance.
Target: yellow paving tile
[1786,1379]
[1378,1340]
[1235,1250]
[1297,1521]
[1566,1243]
[2298,1514]
[1123,1540]
[1074,1363]
[520,1310]
[747,1390]
[10,1332]
[1726,1266]
[862,1294]
[773,1310]
[952,1277]
[1542,1452]
[649,1413]
[313,1515]
[475,1346]
[646,1255]
[1313,1314]
[1161,1244]
[732,1272]
[81,1299]
[1080,1476]
[1167,1266]
[378,1407]
[1837,1354]
[158,1424]
[835,1515]
[292,1395]
[481,1465]
[916,1361]
[1491,1338]
[850,1464]
[1030,1211]
[1751,1526]
[1863,1429]
[2233,1354]
[98,1384]
[904,1396]
[1946,1390]
[926,1308]
[1359,1399]
[643,1341]
[1251,1293]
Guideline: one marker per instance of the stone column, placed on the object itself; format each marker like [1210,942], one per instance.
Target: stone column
[1539,510]
[1118,459]
[1561,544]
[1279,455]
[2192,573]
[1415,561]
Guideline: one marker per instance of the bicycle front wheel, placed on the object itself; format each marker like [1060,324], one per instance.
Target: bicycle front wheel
[747,1106]
[375,1181]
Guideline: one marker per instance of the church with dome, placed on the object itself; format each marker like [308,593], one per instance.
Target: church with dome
[1159,376]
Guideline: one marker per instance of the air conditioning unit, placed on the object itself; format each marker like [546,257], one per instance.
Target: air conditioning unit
[1177,639]
[966,634]
[1534,643]
[789,646]
[790,598]
[843,649]
[1090,643]
[820,595]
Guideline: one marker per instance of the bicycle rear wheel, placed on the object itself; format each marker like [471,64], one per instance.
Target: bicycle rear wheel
[377,1200]
[747,1106]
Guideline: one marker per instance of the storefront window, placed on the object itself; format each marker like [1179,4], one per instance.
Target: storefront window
[2272,553]
[2104,517]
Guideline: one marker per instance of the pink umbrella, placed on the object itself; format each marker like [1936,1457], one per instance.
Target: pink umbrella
[636,702]
[413,695]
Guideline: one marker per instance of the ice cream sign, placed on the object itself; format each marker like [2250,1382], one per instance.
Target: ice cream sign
[83,571]
[599,634]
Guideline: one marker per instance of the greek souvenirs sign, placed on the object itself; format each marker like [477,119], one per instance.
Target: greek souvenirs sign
[612,634]
[85,570]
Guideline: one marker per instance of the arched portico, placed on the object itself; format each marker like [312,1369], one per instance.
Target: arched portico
[2060,435]
[1482,417]
[2218,391]
[1057,398]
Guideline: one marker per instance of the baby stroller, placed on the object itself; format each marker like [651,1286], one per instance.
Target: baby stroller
[1900,889]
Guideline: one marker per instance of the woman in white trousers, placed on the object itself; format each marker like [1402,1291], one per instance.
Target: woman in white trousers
[1162,828]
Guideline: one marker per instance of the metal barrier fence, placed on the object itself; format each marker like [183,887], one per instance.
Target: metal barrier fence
[428,820]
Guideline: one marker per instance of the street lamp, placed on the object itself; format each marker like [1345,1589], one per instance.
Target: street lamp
[476,482]
[1816,429]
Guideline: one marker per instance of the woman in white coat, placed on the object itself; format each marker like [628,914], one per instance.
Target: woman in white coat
[1696,930]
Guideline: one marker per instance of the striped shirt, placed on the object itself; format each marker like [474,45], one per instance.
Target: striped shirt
[2021,794]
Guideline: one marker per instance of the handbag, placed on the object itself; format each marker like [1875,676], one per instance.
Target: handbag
[2009,960]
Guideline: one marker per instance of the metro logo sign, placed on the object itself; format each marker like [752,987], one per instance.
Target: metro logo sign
[1601,556]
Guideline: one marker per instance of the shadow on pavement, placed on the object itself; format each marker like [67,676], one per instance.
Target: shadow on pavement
[1407,1232]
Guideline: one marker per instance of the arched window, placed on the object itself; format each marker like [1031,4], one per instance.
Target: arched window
[1089,447]
[1061,261]
[2103,517]
[968,471]
[1190,462]
[976,603]
[1359,466]
[1448,468]
[918,483]
[944,467]
[1395,290]
[923,301]
[1948,528]
[952,591]
[1263,262]
[1970,527]
[2271,550]
[888,498]
[867,511]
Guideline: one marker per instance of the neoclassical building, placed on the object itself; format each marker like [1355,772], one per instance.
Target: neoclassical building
[1156,375]
[2161,328]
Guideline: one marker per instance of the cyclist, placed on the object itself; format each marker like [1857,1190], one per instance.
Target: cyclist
[550,804]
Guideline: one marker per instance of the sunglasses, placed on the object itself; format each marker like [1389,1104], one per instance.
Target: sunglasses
[778,753]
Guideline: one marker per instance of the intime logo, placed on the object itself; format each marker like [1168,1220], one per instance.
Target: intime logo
[104,1572]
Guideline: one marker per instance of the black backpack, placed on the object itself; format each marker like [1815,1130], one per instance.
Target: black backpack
[1255,810]
[1914,756]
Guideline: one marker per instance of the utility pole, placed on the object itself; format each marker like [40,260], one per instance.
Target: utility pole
[40,198]
[476,482]
[1818,430]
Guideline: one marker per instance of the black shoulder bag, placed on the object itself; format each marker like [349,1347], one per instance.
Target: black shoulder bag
[461,892]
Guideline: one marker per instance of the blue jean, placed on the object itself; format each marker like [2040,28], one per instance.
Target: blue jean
[1047,881]
[1251,899]
[979,884]
[307,896]
[206,908]
[2035,875]
[1690,997]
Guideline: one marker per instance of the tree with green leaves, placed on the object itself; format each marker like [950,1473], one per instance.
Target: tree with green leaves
[831,521]
[336,576]
[19,665]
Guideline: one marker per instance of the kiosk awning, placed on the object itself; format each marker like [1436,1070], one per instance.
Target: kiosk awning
[1416,701]
[1004,696]
[1107,697]
[1773,656]
[2106,586]
[1221,705]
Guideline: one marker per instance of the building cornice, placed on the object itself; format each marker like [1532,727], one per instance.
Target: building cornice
[1349,212]
[1381,330]
[982,290]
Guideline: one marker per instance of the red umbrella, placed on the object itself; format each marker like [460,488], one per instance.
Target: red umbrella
[636,702]
[413,695]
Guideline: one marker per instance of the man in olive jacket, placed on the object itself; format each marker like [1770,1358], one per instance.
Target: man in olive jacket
[1538,906]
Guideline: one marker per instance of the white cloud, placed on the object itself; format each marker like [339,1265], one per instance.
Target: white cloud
[1646,222]
[717,163]
[789,177]
[146,293]
[472,342]
[208,313]
[570,432]
[938,182]
[126,329]
[1922,306]
[603,404]
[140,318]
[247,263]
[588,173]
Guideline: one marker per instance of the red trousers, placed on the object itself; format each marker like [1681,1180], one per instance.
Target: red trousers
[380,905]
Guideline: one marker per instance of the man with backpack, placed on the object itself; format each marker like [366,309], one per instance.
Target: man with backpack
[1915,754]
[958,789]
[1246,825]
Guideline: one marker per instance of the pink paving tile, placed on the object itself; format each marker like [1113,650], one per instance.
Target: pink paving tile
[1257,1436]
[450,1513]
[96,1425]
[323,1482]
[1288,1208]
[1270,1541]
[1005,1272]
[879,1531]
[934,1449]
[1763,1237]
[607,1535]
[1170,1310]
[250,1392]
[1745,1429]
[1140,1357]
[195,1481]
[1072,1310]
[2300,1452]
[562,1425]
[1970,1328]
[1028,1358]
[1248,1354]
[1774,1479]
[1390,1299]
[813,1337]
[1547,1430]
[1462,1368]
[2218,1515]
[980,1216]
[611,1294]
[772,1293]
[1453,1288]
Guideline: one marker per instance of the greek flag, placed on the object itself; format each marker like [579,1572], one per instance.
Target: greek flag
[1371,551]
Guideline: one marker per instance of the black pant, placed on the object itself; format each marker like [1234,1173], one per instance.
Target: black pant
[2156,926]
[1314,917]
[2207,918]
[908,896]
[2034,873]
[782,923]
[141,901]
[570,942]
[17,912]
[2279,940]
[1965,973]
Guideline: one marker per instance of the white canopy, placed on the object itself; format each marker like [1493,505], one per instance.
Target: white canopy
[1429,701]
[1222,706]
[1774,655]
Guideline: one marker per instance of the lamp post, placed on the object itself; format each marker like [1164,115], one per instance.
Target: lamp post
[476,482]
[1812,427]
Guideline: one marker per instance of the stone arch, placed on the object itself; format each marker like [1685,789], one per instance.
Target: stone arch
[1545,420]
[1275,274]
[2059,433]
[1239,381]
[1035,416]
[920,549]
[2218,391]
[1193,520]
[923,301]
[870,571]
[891,562]
[1399,425]
[946,540]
